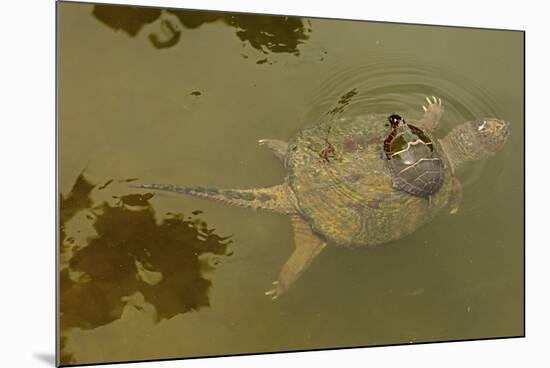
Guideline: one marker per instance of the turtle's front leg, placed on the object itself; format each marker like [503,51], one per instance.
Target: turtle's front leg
[455,197]
[432,113]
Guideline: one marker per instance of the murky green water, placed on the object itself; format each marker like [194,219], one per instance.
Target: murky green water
[179,97]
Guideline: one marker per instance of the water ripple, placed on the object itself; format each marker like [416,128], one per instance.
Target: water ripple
[397,84]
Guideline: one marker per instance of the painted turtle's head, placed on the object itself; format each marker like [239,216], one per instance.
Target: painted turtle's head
[394,120]
[489,135]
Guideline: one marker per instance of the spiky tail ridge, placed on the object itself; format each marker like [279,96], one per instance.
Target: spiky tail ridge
[278,198]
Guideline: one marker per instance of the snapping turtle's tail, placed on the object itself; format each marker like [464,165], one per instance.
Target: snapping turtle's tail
[278,198]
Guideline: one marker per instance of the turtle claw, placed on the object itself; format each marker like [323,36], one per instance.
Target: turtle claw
[436,101]
[272,293]
[432,112]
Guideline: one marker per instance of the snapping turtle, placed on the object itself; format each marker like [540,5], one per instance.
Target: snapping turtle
[339,190]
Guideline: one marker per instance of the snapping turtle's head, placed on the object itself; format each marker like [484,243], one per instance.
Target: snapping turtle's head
[475,140]
[489,135]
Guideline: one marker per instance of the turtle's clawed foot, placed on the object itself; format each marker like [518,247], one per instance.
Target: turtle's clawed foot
[435,104]
[275,292]
[433,111]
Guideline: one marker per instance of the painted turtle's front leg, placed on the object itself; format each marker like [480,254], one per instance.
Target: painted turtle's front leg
[432,113]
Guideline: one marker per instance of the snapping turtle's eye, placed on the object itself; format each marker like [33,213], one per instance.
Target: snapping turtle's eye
[481,125]
[491,126]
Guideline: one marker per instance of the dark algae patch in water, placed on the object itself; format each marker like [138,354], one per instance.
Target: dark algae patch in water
[131,260]
[343,102]
[265,33]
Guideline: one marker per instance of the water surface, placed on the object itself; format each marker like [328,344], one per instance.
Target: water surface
[170,96]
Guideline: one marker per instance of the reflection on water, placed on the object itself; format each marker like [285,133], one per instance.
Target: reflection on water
[128,18]
[265,33]
[129,258]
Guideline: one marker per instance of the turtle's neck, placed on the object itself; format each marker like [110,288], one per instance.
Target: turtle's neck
[459,146]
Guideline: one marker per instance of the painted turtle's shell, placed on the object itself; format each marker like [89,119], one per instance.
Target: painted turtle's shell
[343,186]
[412,159]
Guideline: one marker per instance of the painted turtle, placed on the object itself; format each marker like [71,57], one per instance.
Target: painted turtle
[412,159]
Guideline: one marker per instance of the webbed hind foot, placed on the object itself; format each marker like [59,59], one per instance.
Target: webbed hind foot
[307,246]
[274,293]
